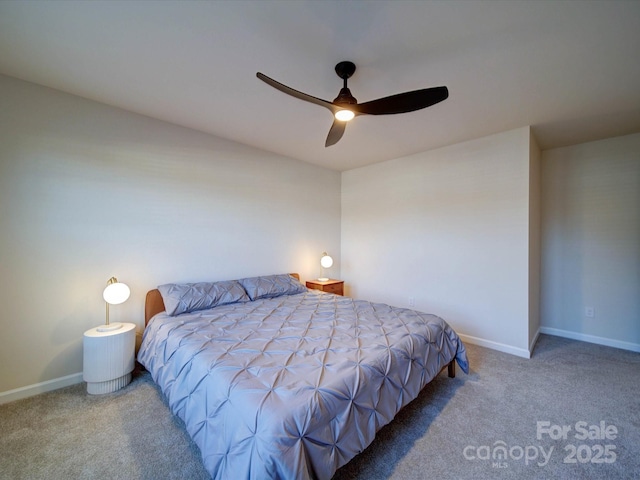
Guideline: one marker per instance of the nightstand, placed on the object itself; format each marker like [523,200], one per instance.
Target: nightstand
[330,286]
[108,358]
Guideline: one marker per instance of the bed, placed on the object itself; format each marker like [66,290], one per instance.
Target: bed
[274,380]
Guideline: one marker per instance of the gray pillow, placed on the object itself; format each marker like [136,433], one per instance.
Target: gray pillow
[272,286]
[189,297]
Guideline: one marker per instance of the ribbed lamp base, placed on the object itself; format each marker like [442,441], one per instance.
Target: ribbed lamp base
[97,388]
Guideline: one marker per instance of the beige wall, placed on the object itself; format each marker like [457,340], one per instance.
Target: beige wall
[591,241]
[89,191]
[535,248]
[448,228]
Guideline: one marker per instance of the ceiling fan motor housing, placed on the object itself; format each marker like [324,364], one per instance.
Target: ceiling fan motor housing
[344,71]
[345,97]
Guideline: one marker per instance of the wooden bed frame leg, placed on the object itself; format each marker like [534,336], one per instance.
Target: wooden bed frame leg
[451,369]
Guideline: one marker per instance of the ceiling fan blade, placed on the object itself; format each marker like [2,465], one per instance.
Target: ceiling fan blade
[335,133]
[295,93]
[404,102]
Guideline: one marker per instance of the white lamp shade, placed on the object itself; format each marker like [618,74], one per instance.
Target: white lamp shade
[116,293]
[326,261]
[344,115]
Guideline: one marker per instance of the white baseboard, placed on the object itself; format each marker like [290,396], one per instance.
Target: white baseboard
[42,387]
[583,337]
[501,347]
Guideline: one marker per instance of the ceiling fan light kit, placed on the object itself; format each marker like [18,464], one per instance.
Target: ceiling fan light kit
[345,106]
[345,115]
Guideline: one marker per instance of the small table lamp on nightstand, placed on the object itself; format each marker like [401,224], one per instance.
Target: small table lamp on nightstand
[325,262]
[109,349]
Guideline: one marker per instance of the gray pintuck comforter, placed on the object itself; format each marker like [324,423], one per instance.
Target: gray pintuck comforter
[293,386]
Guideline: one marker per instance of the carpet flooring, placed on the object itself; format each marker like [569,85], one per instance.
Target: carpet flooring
[572,411]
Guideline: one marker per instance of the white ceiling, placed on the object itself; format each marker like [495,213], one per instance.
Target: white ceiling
[571,69]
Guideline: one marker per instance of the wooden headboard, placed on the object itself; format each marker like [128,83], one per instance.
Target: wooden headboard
[154,303]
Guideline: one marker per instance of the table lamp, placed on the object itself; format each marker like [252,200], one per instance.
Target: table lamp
[325,262]
[114,294]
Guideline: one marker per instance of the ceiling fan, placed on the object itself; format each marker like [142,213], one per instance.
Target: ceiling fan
[345,107]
